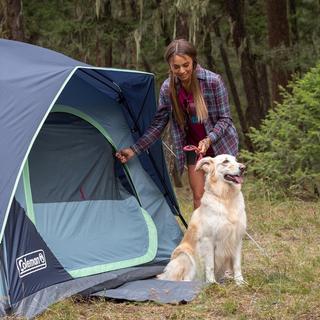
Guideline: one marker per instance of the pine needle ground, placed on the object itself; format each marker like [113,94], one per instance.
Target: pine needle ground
[283,278]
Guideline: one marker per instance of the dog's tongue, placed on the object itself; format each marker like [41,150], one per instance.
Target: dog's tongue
[234,178]
[238,179]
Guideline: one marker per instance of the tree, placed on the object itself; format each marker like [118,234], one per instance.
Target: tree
[232,85]
[255,110]
[279,42]
[12,20]
[287,145]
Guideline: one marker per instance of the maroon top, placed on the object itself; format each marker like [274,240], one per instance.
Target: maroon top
[195,130]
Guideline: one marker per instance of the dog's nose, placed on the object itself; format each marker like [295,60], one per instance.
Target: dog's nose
[242,167]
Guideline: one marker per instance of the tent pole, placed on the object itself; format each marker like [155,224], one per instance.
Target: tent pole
[178,213]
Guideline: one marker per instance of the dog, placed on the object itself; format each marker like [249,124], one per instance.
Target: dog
[211,247]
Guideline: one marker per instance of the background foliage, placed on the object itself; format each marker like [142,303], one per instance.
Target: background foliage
[288,142]
[257,46]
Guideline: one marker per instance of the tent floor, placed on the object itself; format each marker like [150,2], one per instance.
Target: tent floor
[160,291]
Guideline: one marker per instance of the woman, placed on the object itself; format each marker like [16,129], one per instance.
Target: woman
[195,101]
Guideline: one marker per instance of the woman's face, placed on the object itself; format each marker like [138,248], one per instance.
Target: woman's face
[182,67]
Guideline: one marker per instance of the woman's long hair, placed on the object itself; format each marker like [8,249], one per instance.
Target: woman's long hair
[183,47]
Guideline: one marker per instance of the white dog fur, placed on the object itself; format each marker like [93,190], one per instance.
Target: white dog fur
[211,246]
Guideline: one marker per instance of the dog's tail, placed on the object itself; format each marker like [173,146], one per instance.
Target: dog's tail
[182,266]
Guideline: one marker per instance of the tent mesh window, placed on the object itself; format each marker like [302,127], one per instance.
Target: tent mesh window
[72,161]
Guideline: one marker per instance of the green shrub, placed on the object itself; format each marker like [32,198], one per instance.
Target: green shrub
[287,145]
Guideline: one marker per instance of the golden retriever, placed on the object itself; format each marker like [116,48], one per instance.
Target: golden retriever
[211,246]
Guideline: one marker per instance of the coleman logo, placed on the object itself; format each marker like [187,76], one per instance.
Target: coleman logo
[31,262]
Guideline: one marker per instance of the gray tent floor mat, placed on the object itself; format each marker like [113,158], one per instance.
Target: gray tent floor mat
[161,291]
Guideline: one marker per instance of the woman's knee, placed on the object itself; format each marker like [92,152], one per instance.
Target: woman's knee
[197,195]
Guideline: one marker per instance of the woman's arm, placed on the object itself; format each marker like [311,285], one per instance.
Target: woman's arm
[220,95]
[156,128]
[154,131]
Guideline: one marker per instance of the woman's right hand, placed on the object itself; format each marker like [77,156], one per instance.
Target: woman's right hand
[124,155]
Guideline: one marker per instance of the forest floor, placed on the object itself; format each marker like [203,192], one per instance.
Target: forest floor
[283,275]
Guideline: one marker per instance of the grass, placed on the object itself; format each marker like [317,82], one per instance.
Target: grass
[283,276]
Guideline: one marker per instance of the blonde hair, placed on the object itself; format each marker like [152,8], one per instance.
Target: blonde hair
[183,47]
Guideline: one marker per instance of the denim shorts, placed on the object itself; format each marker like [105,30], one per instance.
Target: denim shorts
[191,157]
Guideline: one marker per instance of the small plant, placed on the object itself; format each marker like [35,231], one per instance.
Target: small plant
[230,307]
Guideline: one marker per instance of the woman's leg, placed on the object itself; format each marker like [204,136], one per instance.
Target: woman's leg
[196,181]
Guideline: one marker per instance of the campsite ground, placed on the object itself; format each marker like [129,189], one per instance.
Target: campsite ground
[283,281]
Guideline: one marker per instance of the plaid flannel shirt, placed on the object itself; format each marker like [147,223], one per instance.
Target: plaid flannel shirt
[219,126]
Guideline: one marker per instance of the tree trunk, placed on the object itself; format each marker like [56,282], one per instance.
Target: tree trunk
[254,111]
[133,6]
[295,33]
[146,64]
[108,54]
[182,26]
[14,21]
[2,19]
[208,51]
[233,87]
[165,28]
[264,86]
[108,45]
[278,33]
[98,51]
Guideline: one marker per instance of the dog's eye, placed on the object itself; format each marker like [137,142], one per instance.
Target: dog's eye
[225,161]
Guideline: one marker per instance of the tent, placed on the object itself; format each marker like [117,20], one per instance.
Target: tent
[72,218]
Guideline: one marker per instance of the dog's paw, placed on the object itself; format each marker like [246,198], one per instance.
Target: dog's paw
[240,281]
[211,279]
[161,276]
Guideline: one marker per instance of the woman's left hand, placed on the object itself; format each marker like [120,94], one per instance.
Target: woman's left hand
[204,145]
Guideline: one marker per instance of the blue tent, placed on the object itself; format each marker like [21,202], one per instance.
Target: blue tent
[73,218]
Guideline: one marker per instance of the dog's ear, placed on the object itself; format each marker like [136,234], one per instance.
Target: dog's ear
[206,164]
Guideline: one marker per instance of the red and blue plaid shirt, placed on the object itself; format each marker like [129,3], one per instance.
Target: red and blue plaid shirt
[219,126]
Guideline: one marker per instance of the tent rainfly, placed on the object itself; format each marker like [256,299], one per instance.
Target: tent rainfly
[72,218]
